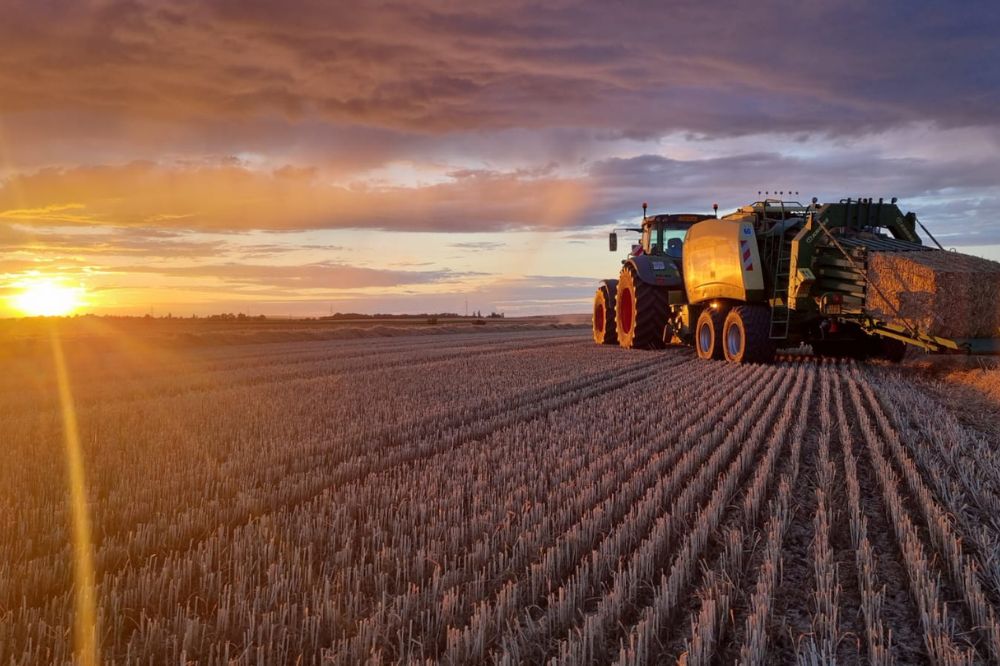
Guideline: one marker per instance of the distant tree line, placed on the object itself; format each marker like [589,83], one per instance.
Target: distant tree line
[229,315]
[426,315]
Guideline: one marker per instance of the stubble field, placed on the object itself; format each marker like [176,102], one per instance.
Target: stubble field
[515,497]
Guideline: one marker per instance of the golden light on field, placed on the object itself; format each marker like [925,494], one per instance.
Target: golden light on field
[85,590]
[47,297]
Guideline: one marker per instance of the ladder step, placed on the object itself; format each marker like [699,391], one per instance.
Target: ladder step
[780,314]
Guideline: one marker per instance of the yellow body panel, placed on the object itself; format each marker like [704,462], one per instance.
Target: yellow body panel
[721,260]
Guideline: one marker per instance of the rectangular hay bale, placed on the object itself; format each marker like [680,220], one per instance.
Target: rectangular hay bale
[945,294]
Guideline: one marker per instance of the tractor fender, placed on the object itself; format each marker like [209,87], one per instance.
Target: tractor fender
[657,270]
[610,285]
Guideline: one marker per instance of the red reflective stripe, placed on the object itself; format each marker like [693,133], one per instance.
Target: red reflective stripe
[747,256]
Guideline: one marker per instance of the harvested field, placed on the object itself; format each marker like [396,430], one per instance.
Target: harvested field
[940,293]
[516,497]
[22,337]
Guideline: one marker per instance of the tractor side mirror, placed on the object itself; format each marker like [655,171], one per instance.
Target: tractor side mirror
[613,241]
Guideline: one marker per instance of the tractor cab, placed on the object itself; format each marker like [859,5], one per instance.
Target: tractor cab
[663,235]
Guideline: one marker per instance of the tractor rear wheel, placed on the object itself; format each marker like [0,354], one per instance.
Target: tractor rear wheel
[746,335]
[641,312]
[708,334]
[603,321]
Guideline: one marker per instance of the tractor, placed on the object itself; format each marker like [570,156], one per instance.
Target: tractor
[773,274]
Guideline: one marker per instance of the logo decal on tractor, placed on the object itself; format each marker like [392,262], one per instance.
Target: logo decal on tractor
[747,230]
[747,256]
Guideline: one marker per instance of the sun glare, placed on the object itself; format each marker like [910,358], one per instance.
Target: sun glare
[47,298]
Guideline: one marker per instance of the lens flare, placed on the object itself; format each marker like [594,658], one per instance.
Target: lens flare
[84,625]
[47,297]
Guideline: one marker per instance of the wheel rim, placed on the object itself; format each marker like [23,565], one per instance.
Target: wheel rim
[625,308]
[599,317]
[734,340]
[705,337]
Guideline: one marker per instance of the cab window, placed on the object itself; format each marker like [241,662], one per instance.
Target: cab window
[673,240]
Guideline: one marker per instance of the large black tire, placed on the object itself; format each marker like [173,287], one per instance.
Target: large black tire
[641,312]
[708,333]
[835,348]
[822,348]
[603,321]
[890,349]
[856,348]
[746,335]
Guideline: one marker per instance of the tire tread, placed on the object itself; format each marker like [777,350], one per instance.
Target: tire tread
[652,305]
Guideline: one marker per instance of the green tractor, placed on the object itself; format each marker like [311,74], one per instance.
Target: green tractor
[634,310]
[776,274]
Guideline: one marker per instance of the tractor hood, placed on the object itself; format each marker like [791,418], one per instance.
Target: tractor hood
[658,270]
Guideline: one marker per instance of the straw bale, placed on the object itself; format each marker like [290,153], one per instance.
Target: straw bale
[946,294]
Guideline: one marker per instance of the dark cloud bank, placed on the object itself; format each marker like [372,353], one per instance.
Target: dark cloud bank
[639,68]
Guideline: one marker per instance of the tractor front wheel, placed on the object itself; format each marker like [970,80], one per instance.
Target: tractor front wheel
[746,335]
[603,321]
[641,312]
[708,334]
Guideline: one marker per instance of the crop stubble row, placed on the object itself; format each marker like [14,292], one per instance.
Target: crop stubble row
[533,498]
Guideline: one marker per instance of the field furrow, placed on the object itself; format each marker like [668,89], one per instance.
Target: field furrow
[961,569]
[241,495]
[940,632]
[689,523]
[517,497]
[657,620]
[631,464]
[877,635]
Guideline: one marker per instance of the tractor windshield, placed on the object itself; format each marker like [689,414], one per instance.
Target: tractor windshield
[673,241]
[666,240]
[664,234]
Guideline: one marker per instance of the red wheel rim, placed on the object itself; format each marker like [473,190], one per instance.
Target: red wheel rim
[625,309]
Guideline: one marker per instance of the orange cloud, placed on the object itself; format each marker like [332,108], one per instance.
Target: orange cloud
[233,197]
[52,214]
[324,275]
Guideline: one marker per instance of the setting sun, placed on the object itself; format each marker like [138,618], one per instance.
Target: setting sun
[47,297]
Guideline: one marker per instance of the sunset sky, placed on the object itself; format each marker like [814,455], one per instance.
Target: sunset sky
[297,158]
